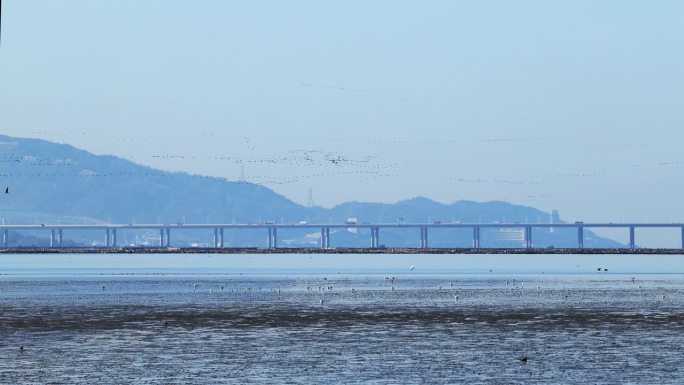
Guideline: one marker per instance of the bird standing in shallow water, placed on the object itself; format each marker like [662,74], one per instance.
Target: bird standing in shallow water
[6,190]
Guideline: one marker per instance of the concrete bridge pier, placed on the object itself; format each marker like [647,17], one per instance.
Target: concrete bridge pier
[632,244]
[107,239]
[580,237]
[682,237]
[322,237]
[372,245]
[113,237]
[162,242]
[5,237]
[52,238]
[59,237]
[216,240]
[424,237]
[476,237]
[272,238]
[528,237]
[325,237]
[275,238]
[168,237]
[375,237]
[221,243]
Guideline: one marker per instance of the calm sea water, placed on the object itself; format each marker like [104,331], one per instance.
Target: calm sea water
[227,326]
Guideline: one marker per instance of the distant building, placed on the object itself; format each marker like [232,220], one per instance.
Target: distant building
[555,218]
[352,221]
[508,234]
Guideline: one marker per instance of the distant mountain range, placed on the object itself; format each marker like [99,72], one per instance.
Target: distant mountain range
[58,183]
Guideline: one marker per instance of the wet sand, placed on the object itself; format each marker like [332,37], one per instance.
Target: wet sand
[314,329]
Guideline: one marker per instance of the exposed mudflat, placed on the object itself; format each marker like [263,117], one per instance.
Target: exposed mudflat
[170,328]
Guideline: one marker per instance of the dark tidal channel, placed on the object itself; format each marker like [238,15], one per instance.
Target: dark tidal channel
[315,329]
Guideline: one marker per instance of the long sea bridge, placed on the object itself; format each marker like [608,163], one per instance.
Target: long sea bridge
[56,232]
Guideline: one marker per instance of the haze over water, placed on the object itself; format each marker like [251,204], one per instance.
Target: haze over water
[236,324]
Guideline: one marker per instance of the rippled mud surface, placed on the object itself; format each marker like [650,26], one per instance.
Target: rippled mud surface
[317,329]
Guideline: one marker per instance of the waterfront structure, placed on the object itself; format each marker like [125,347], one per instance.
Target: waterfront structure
[523,232]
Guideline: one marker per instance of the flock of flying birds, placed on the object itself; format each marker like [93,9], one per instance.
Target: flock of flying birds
[499,181]
[365,166]
[321,164]
[326,164]
[315,163]
[336,88]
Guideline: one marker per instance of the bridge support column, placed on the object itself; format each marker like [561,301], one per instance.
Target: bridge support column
[682,237]
[114,237]
[5,237]
[162,242]
[52,238]
[476,237]
[322,237]
[632,244]
[274,236]
[424,237]
[221,243]
[107,237]
[427,238]
[325,237]
[528,237]
[59,237]
[372,229]
[375,237]
[216,240]
[580,237]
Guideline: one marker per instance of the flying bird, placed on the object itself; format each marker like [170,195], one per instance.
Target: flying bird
[6,188]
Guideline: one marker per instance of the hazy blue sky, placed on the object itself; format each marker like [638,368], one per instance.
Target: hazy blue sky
[574,105]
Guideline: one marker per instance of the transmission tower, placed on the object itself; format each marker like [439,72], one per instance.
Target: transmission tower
[242,173]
